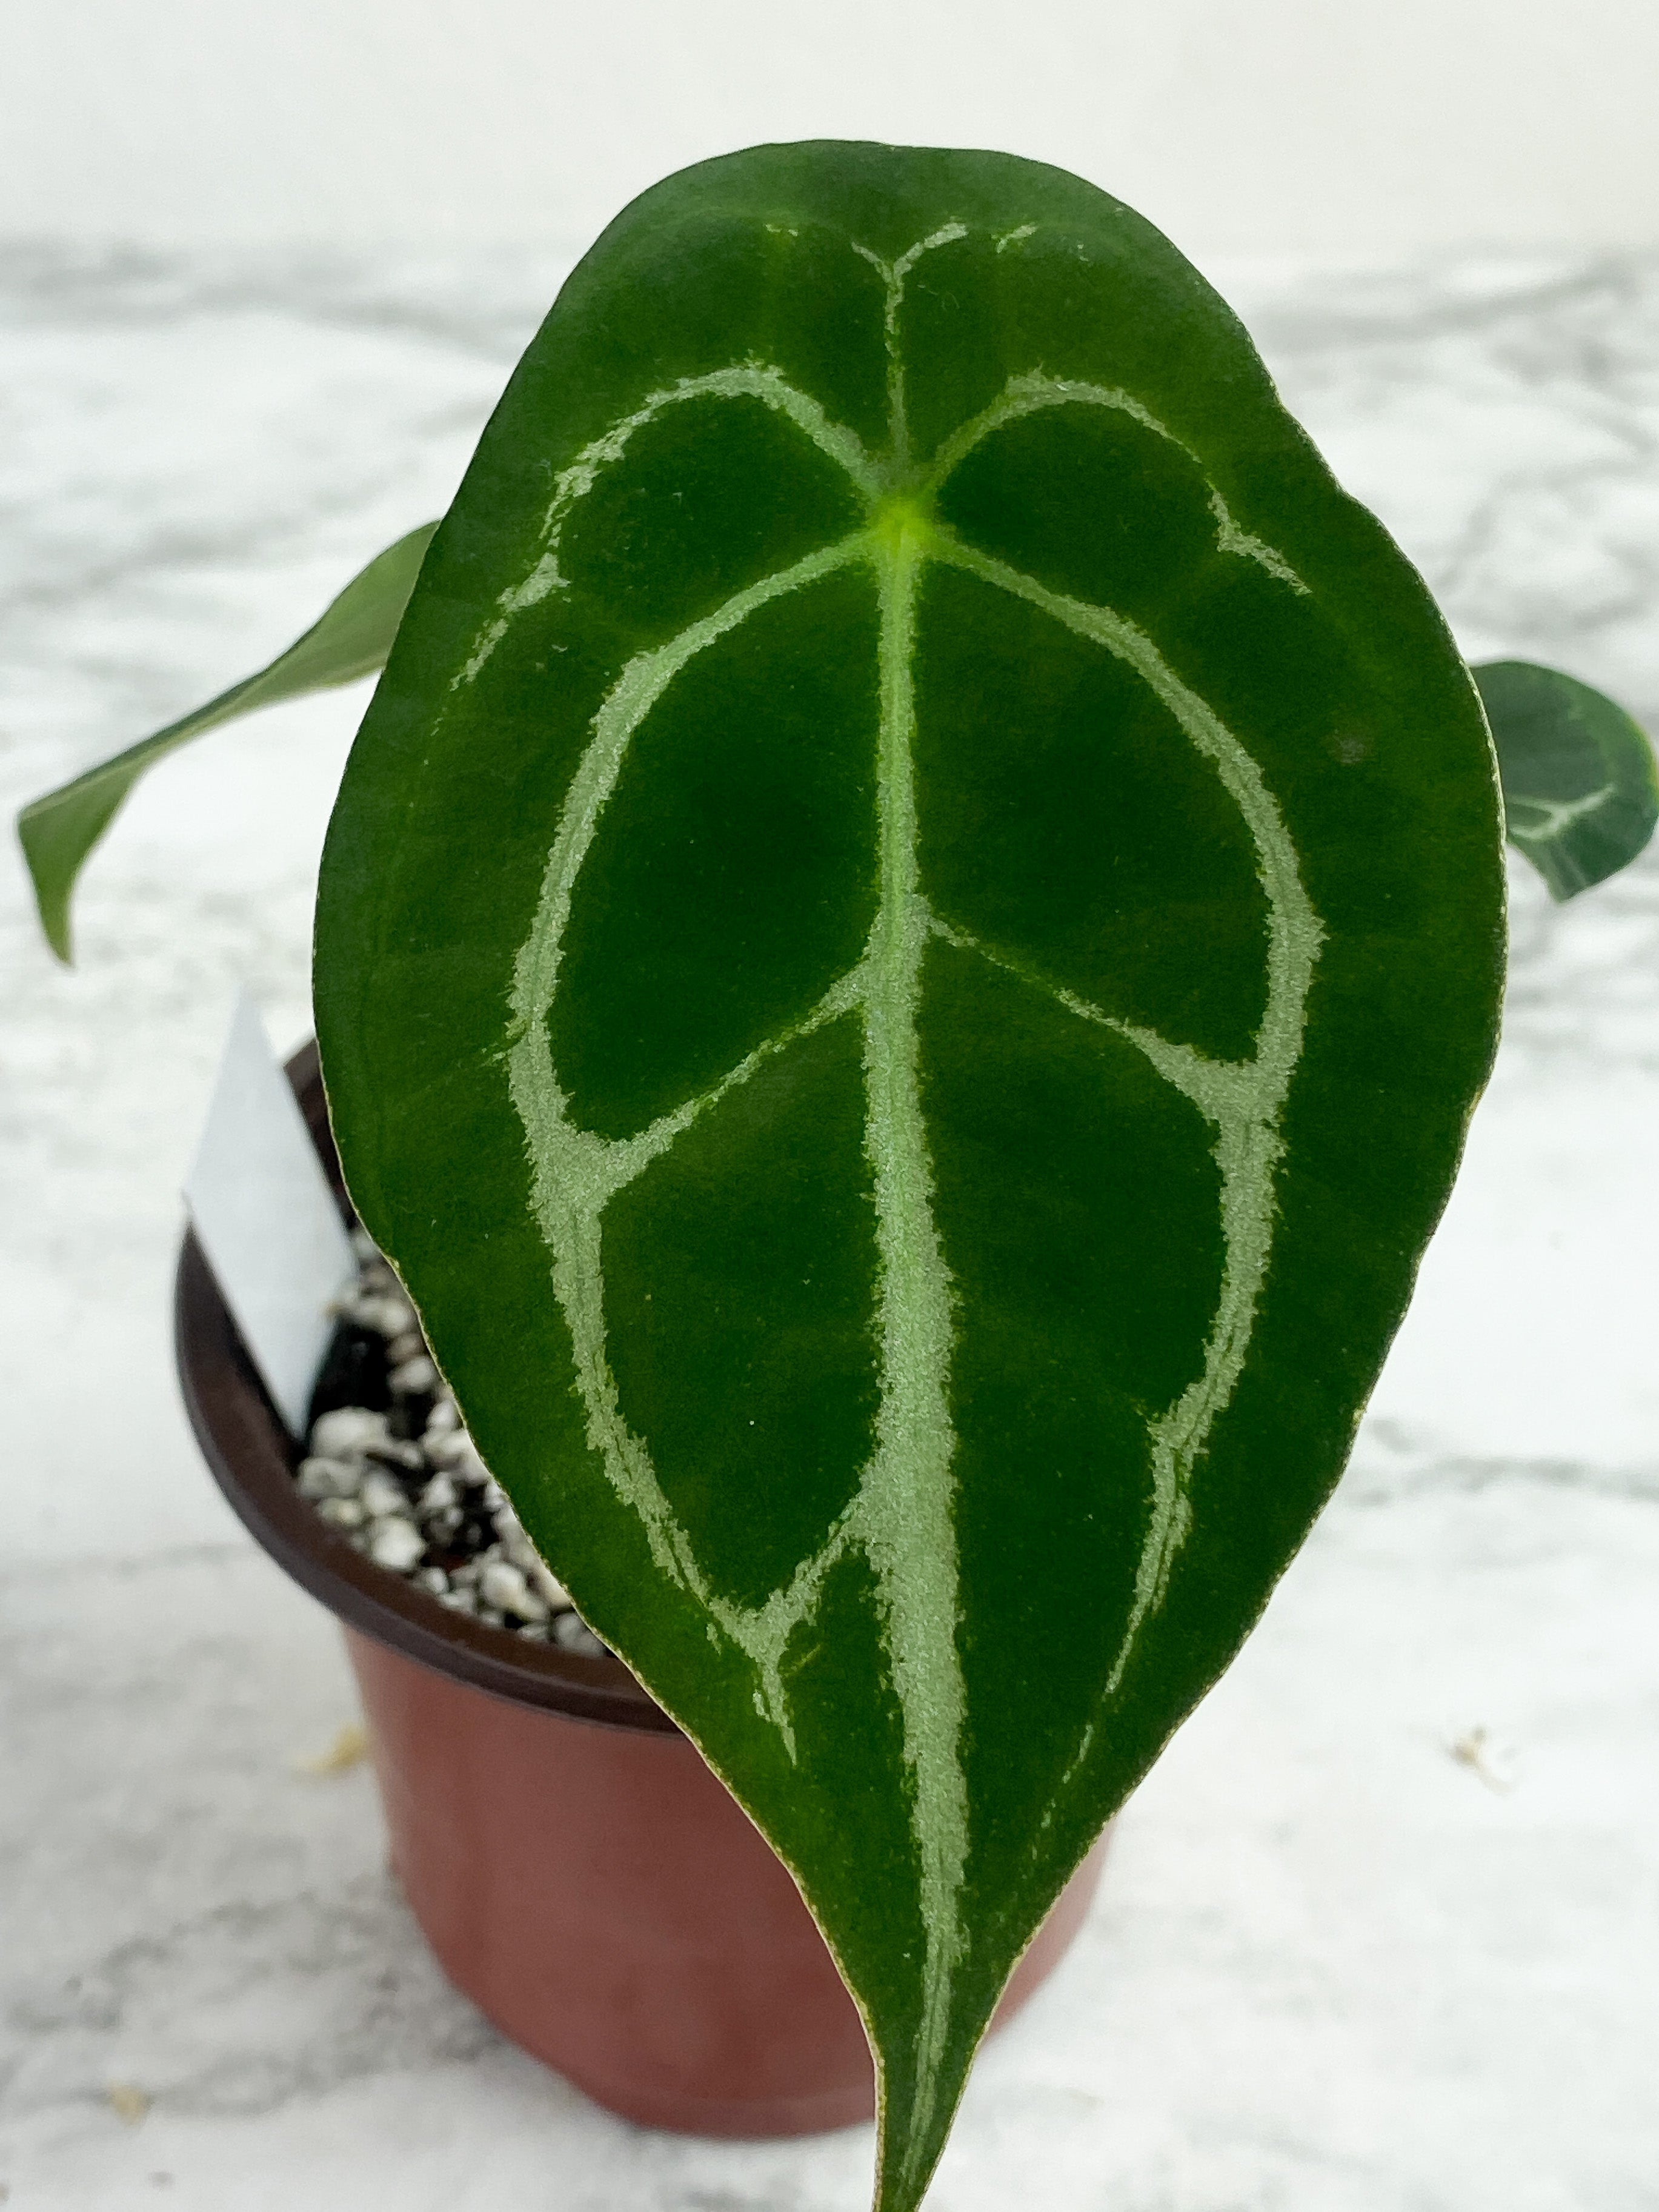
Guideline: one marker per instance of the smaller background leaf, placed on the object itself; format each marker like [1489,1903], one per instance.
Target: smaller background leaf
[352,639]
[1581,788]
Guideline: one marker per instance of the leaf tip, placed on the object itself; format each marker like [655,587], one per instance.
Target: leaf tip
[51,899]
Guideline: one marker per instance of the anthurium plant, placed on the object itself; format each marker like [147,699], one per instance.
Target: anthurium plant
[921,899]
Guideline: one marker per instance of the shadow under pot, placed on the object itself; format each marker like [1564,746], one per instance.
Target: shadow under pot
[580,1873]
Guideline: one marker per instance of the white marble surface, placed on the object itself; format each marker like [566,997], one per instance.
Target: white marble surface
[1334,1968]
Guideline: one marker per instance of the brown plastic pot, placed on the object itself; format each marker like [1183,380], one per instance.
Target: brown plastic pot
[581,1874]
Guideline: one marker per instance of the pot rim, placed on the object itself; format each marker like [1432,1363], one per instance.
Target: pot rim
[252,1459]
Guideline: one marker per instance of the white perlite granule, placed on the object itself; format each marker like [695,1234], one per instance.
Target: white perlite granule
[418,1499]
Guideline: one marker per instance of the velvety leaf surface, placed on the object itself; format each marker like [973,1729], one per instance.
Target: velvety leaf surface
[1581,787]
[903,960]
[351,638]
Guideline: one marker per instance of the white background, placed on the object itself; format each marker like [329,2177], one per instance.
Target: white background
[1239,125]
[1379,1933]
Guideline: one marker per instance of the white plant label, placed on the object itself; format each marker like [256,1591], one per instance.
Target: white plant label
[266,1219]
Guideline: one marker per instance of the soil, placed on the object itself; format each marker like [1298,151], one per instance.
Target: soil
[389,1466]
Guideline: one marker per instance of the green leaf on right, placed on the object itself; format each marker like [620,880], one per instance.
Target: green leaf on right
[903,960]
[1581,787]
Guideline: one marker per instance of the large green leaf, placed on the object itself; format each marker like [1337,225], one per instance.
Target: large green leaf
[902,959]
[351,638]
[1581,788]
